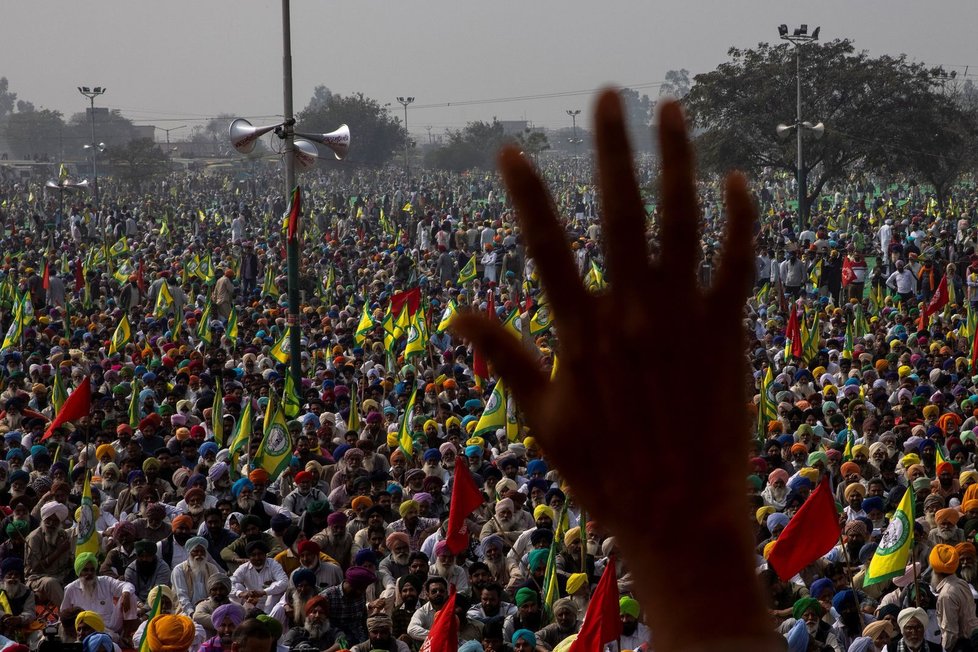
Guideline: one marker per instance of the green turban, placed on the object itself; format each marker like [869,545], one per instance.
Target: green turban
[629,607]
[17,526]
[806,604]
[274,626]
[818,456]
[526,595]
[537,559]
[83,560]
[144,547]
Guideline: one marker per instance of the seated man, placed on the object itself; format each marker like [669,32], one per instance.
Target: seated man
[190,577]
[381,637]
[218,590]
[224,620]
[316,633]
[169,604]
[49,555]
[18,596]
[259,582]
[147,571]
[99,594]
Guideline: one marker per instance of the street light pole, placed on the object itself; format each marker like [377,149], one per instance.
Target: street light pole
[798,38]
[168,134]
[573,114]
[404,102]
[91,94]
[292,244]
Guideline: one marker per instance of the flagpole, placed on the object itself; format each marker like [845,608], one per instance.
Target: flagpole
[845,554]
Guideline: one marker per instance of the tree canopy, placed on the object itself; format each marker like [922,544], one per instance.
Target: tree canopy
[376,134]
[873,109]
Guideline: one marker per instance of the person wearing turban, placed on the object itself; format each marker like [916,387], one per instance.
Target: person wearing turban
[956,615]
[218,592]
[97,642]
[524,641]
[347,604]
[113,600]
[947,530]
[913,622]
[189,577]
[417,527]
[316,632]
[88,622]
[566,623]
[305,492]
[49,558]
[261,581]
[224,620]
[170,633]
[444,566]
[147,570]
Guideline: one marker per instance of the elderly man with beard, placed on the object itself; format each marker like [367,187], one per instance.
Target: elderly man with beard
[335,541]
[324,568]
[955,602]
[381,636]
[218,592]
[113,600]
[49,559]
[967,562]
[243,491]
[810,611]
[913,622]
[543,517]
[492,552]
[527,616]
[436,588]
[851,621]
[146,571]
[18,596]
[445,567]
[947,530]
[190,577]
[304,493]
[503,524]
[316,634]
[223,622]
[565,624]
[291,609]
[396,564]
[259,582]
[416,527]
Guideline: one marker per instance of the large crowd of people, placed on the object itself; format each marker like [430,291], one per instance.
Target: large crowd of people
[163,518]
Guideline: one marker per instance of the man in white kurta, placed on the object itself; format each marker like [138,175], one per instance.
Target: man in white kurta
[190,577]
[99,594]
[260,581]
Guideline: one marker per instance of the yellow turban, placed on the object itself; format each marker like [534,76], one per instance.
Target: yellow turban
[91,619]
[860,448]
[769,547]
[944,559]
[968,475]
[762,513]
[475,441]
[903,371]
[405,506]
[854,488]
[392,440]
[909,460]
[931,411]
[105,449]
[169,633]
[430,422]
[573,534]
[543,510]
[809,474]
[575,581]
[167,593]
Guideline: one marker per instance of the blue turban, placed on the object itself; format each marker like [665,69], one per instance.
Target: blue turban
[241,484]
[821,585]
[208,447]
[365,555]
[303,576]
[97,642]
[37,449]
[798,637]
[473,451]
[135,475]
[15,452]
[871,503]
[529,637]
[840,598]
[536,466]
[432,455]
[777,519]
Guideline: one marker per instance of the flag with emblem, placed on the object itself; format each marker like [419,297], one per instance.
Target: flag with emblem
[405,437]
[890,558]
[541,321]
[164,300]
[204,327]
[365,326]
[494,415]
[280,350]
[468,272]
[446,317]
[276,445]
[121,336]
[290,398]
[88,539]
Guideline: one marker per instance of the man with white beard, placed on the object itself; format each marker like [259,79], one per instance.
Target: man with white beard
[947,530]
[446,568]
[99,594]
[49,554]
[968,564]
[18,595]
[316,632]
[503,524]
[397,564]
[190,577]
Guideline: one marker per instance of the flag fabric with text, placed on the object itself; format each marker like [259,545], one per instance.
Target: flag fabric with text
[77,405]
[87,539]
[893,552]
[443,635]
[811,533]
[468,272]
[466,498]
[276,446]
[602,622]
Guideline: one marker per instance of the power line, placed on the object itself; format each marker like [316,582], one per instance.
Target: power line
[537,96]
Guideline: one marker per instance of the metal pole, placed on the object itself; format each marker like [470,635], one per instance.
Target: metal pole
[94,154]
[407,137]
[292,245]
[801,169]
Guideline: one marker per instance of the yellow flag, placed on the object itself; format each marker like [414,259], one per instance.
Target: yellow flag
[468,272]
[446,318]
[494,415]
[121,336]
[890,558]
[280,351]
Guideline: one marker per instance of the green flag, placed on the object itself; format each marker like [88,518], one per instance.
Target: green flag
[217,415]
[890,558]
[468,272]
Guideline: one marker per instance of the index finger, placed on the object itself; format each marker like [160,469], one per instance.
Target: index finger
[545,239]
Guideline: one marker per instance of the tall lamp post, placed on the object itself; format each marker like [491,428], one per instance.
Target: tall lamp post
[573,114]
[404,102]
[168,134]
[91,94]
[799,37]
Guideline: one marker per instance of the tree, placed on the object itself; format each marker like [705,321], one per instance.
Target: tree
[215,131]
[34,134]
[474,147]
[868,106]
[376,134]
[677,84]
[638,115]
[111,128]
[7,99]
[137,161]
[533,142]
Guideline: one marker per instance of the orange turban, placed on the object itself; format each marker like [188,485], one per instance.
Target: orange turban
[259,475]
[183,519]
[168,633]
[947,515]
[361,500]
[944,559]
[849,468]
[966,549]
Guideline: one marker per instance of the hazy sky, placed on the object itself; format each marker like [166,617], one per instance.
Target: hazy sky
[176,62]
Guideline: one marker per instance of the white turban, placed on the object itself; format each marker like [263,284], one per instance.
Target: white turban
[912,612]
[56,508]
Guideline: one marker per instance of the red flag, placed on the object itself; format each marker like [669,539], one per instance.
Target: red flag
[79,275]
[443,635]
[77,405]
[937,302]
[295,207]
[479,365]
[811,533]
[848,275]
[140,279]
[974,352]
[411,298]
[46,278]
[793,333]
[466,498]
[602,622]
